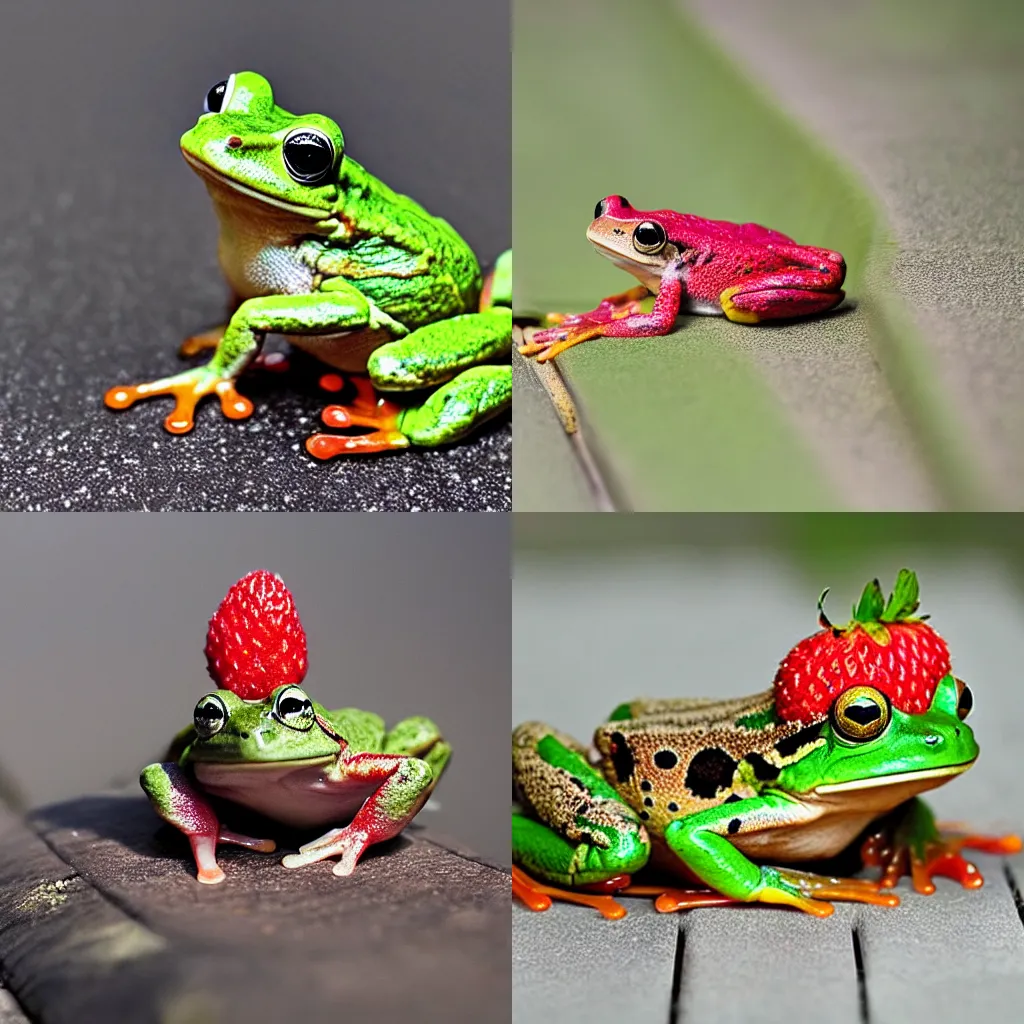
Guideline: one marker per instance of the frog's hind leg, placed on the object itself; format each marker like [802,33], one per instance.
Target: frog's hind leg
[180,804]
[459,354]
[572,830]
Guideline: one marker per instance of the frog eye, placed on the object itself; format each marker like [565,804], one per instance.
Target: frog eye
[860,713]
[294,709]
[308,155]
[649,237]
[209,716]
[965,701]
[214,102]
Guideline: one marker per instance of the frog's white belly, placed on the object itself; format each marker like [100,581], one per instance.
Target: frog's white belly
[652,282]
[295,793]
[255,265]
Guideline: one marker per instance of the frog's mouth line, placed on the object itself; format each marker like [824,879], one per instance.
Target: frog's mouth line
[892,780]
[252,193]
[249,766]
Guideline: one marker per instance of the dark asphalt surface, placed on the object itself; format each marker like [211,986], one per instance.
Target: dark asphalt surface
[108,240]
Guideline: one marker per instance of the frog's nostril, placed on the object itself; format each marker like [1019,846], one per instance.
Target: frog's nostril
[931,739]
[244,735]
[234,141]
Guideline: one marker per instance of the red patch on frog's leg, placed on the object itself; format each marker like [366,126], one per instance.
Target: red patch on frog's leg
[404,785]
[538,896]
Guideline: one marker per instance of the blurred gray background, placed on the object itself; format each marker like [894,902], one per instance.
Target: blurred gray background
[103,623]
[606,608]
[108,240]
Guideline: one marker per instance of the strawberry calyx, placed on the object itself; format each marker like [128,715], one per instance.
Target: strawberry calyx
[872,611]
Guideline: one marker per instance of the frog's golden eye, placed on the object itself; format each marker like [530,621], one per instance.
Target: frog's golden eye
[209,716]
[214,102]
[294,709]
[965,700]
[308,155]
[649,237]
[860,713]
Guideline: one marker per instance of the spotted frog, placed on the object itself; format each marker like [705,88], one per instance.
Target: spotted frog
[726,794]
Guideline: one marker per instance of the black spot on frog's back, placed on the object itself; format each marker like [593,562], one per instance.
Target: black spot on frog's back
[622,757]
[710,770]
[764,771]
[791,744]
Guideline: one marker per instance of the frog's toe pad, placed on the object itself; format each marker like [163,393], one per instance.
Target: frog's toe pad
[211,876]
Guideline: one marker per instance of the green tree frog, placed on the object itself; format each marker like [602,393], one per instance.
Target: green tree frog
[316,248]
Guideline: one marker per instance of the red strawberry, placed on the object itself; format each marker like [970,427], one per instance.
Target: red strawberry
[885,646]
[255,642]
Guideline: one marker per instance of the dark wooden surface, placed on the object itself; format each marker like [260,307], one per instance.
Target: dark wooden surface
[101,919]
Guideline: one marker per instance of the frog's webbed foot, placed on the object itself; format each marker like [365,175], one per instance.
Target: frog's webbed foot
[572,328]
[347,844]
[187,389]
[367,409]
[539,896]
[924,854]
[811,893]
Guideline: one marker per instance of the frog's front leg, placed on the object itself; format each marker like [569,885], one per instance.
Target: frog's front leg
[403,785]
[702,843]
[614,321]
[324,312]
[785,294]
[909,842]
[573,830]
[178,801]
[445,351]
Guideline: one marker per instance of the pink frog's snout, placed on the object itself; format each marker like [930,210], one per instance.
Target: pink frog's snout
[612,206]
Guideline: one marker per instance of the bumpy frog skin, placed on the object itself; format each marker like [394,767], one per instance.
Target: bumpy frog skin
[709,790]
[317,249]
[744,271]
[299,764]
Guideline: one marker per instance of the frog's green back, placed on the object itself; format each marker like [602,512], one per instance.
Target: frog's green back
[362,729]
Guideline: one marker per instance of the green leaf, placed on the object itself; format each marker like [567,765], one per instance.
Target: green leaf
[903,601]
[872,601]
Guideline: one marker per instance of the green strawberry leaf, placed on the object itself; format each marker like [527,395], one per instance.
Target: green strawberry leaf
[904,600]
[872,601]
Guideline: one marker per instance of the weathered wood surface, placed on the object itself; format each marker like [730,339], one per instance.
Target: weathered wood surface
[101,919]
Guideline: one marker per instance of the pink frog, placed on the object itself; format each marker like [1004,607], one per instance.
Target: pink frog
[694,265]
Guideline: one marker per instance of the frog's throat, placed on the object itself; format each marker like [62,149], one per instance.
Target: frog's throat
[891,780]
[262,197]
[251,766]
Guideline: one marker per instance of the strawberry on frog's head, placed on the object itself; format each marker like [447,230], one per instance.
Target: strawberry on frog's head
[255,642]
[884,646]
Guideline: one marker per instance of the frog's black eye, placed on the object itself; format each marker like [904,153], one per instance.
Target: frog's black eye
[308,155]
[649,237]
[209,716]
[215,98]
[602,205]
[966,700]
[294,709]
[860,713]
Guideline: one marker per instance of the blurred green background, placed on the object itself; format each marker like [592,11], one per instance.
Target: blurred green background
[838,412]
